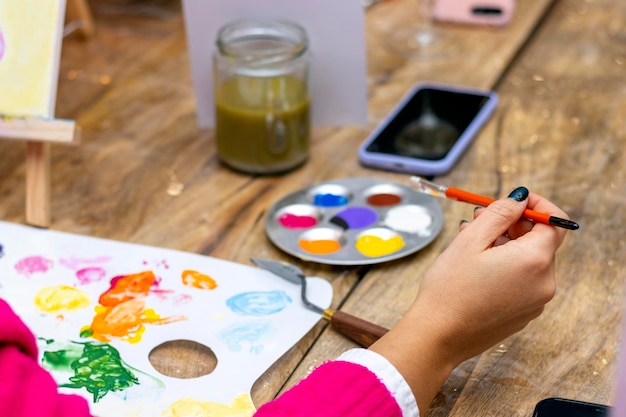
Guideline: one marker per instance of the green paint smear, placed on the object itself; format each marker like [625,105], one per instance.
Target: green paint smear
[96,366]
[61,360]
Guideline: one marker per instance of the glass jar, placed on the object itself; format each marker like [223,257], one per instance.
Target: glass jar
[262,117]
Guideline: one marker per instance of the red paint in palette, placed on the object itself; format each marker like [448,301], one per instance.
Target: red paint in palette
[292,221]
[384,199]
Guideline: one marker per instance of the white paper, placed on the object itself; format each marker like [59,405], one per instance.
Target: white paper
[336,32]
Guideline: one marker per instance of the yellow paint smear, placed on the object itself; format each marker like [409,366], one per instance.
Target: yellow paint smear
[241,406]
[61,298]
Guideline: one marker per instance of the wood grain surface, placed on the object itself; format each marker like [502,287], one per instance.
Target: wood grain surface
[146,173]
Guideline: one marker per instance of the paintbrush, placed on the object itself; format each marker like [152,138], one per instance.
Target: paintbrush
[437,190]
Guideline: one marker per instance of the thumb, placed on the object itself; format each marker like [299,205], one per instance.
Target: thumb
[498,217]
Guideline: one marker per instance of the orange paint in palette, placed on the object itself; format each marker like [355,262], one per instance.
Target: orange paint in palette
[354,221]
[319,247]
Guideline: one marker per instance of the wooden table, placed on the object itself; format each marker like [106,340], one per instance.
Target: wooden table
[145,173]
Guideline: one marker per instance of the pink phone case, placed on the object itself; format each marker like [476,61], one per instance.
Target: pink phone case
[474,12]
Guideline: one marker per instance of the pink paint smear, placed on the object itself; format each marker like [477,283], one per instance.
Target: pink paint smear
[32,265]
[90,274]
[77,263]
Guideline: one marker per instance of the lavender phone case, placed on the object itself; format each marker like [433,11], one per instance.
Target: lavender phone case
[413,165]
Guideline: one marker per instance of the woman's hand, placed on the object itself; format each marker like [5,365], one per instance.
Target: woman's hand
[494,278]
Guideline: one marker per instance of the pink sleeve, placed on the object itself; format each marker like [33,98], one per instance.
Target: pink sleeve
[26,389]
[335,388]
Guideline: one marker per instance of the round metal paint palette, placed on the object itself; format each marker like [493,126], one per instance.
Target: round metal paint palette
[354,221]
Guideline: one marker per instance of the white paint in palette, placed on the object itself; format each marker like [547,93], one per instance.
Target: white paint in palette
[409,218]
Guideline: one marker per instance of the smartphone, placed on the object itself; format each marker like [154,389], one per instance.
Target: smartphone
[429,129]
[563,407]
[474,12]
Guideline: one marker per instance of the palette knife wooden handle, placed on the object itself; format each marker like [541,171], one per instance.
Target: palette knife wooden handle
[361,331]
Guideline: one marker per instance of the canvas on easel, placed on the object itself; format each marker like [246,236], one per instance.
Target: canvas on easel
[31,33]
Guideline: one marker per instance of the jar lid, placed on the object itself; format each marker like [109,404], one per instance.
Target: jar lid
[262,42]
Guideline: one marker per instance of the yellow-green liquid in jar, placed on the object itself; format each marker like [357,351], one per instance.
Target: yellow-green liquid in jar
[262,124]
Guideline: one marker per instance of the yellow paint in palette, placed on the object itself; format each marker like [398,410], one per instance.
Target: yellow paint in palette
[373,246]
[241,406]
[61,298]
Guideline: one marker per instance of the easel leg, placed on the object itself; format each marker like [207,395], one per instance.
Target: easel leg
[38,185]
[79,11]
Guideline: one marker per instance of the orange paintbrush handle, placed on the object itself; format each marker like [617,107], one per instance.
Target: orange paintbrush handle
[479,200]
[467,197]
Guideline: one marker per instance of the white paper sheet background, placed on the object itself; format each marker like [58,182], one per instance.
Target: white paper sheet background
[336,32]
[245,344]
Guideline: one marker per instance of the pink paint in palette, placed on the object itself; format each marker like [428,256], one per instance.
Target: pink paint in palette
[354,221]
[98,304]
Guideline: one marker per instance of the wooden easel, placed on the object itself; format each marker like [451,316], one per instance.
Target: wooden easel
[39,134]
[28,115]
[79,19]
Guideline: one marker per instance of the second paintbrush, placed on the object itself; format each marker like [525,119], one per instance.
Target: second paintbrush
[438,190]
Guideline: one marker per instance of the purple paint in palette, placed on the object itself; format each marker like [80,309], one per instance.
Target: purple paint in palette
[355,218]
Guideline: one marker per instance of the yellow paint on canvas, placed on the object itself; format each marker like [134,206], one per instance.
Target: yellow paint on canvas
[241,406]
[31,37]
[61,298]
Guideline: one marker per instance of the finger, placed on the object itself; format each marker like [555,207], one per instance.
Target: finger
[501,240]
[552,236]
[520,228]
[496,219]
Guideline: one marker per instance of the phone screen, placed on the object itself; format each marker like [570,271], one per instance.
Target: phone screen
[561,407]
[429,125]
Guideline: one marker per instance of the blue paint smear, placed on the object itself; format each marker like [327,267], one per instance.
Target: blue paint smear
[240,334]
[330,200]
[258,303]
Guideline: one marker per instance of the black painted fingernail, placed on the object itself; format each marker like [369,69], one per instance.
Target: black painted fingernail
[462,222]
[519,194]
[477,208]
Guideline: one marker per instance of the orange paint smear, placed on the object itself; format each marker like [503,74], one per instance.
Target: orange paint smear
[125,321]
[198,280]
[127,287]
[320,247]
[122,312]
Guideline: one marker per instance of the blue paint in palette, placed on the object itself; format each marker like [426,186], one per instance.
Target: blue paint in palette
[258,303]
[247,333]
[330,200]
